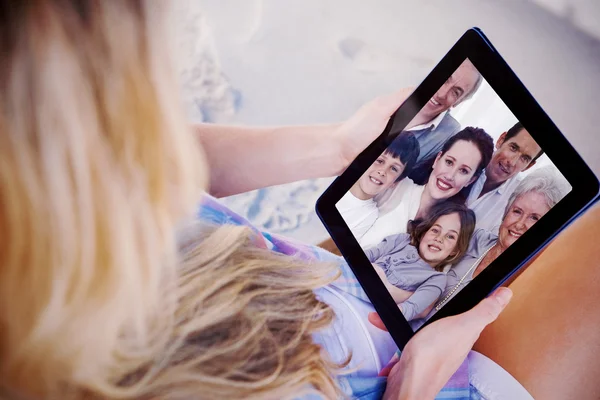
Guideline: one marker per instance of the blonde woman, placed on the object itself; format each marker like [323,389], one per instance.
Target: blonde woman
[108,288]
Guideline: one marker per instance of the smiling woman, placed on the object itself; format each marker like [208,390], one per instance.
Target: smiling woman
[462,159]
[531,200]
[525,211]
[456,167]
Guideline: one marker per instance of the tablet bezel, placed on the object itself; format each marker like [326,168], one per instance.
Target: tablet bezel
[477,48]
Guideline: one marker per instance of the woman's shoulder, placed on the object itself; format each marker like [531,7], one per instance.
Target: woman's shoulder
[410,188]
[481,240]
[211,211]
[412,191]
[394,197]
[484,236]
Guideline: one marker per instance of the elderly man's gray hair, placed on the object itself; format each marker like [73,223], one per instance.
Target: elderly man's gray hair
[477,82]
[547,181]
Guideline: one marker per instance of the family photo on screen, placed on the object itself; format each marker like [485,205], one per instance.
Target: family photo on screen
[457,186]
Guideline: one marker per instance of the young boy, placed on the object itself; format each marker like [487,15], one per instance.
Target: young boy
[357,207]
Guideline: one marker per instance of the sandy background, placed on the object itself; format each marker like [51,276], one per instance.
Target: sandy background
[267,62]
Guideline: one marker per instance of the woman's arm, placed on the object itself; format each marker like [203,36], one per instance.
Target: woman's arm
[243,159]
[548,337]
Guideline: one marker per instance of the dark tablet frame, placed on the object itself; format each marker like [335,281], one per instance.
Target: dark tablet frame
[478,49]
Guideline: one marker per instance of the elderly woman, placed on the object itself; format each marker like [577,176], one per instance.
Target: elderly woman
[530,201]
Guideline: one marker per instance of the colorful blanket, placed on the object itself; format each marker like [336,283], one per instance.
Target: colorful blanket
[367,388]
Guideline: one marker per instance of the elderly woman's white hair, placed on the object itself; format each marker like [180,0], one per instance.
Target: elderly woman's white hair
[547,181]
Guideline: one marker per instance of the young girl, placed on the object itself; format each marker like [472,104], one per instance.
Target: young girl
[411,264]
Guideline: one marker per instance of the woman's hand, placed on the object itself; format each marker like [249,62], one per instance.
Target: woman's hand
[246,158]
[366,124]
[433,355]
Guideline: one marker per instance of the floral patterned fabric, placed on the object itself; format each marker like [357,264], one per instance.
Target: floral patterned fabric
[367,388]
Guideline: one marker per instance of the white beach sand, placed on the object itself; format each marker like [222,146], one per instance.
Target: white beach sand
[312,61]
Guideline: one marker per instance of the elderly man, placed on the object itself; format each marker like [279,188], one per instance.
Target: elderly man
[434,125]
[516,151]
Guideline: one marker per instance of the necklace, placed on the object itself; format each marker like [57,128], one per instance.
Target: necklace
[455,288]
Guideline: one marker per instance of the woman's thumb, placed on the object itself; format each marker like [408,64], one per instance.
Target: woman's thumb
[489,308]
[389,103]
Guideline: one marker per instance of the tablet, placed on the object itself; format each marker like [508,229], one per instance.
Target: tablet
[469,180]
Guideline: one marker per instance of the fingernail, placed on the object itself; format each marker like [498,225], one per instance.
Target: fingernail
[504,295]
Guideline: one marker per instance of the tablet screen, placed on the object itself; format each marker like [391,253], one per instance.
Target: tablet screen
[456,187]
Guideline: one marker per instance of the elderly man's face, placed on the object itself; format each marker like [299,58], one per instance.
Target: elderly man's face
[512,156]
[525,211]
[452,92]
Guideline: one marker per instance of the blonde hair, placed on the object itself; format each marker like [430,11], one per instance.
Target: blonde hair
[97,169]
